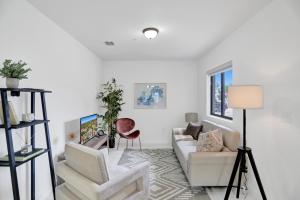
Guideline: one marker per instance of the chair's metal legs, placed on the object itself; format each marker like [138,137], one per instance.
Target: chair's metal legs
[118,143]
[140,143]
[131,143]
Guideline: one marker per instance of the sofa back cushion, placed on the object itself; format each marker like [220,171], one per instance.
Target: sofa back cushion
[86,161]
[231,138]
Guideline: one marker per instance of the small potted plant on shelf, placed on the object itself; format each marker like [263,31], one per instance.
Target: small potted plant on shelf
[112,99]
[14,72]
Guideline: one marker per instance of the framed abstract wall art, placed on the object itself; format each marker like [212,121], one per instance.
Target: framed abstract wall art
[150,95]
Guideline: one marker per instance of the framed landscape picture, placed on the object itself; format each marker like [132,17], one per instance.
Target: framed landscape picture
[150,95]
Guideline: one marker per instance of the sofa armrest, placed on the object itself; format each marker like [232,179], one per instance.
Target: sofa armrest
[93,191]
[210,168]
[212,157]
[178,131]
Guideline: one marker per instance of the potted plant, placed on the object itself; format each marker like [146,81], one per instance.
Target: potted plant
[112,98]
[13,72]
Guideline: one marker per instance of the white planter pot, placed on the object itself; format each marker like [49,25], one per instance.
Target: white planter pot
[12,82]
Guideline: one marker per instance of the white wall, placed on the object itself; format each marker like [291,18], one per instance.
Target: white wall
[265,51]
[156,124]
[60,64]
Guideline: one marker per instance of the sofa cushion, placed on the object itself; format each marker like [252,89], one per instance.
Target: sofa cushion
[187,143]
[184,148]
[225,149]
[210,142]
[88,162]
[116,170]
[78,193]
[183,137]
[63,193]
[187,147]
[194,130]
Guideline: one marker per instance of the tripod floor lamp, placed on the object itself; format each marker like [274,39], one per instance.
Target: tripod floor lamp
[244,97]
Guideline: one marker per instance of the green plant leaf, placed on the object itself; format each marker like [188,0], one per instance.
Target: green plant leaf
[12,69]
[111,96]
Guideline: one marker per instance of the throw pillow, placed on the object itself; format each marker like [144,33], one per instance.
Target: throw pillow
[210,141]
[193,130]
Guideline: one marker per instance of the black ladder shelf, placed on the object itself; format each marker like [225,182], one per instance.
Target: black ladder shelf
[12,163]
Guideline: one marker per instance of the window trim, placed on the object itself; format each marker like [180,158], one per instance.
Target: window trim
[222,72]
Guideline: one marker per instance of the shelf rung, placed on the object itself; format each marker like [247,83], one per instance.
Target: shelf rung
[26,124]
[18,163]
[24,90]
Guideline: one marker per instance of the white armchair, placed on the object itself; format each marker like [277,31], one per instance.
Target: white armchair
[88,176]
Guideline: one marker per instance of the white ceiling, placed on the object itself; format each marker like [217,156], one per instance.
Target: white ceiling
[188,28]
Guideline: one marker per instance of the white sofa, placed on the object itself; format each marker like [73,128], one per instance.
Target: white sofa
[207,168]
[88,176]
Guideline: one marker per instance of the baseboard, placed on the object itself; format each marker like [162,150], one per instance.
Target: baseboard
[218,193]
[145,145]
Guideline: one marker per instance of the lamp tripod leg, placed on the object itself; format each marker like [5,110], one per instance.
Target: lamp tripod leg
[251,159]
[235,168]
[241,170]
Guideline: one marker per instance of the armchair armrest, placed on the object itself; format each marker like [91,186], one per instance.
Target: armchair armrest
[93,191]
[178,131]
[138,174]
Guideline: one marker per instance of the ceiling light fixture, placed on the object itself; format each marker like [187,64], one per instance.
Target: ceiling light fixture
[150,33]
[109,43]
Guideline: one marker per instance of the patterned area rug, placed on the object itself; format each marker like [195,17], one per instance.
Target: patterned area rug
[167,179]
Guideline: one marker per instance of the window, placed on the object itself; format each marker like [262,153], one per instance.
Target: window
[219,83]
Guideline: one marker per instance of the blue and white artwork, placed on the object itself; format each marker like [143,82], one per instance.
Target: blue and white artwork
[150,95]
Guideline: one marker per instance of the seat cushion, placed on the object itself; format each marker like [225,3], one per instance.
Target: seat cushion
[86,161]
[187,147]
[225,149]
[183,138]
[116,171]
[187,143]
[186,150]
[132,135]
[63,193]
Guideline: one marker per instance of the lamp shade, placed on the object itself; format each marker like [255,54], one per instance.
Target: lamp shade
[191,117]
[245,96]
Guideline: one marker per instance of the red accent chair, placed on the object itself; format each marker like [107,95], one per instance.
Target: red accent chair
[124,128]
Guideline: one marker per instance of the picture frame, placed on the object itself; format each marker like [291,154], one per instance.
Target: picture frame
[150,95]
